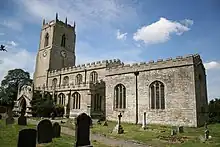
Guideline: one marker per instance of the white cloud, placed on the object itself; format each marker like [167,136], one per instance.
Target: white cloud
[16,58]
[12,24]
[12,43]
[212,65]
[160,31]
[121,36]
[1,34]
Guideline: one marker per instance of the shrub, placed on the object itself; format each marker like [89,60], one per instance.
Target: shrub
[59,110]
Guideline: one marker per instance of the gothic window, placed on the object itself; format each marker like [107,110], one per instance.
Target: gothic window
[46,40]
[78,79]
[76,100]
[65,80]
[157,99]
[61,99]
[63,41]
[97,102]
[54,82]
[120,96]
[93,77]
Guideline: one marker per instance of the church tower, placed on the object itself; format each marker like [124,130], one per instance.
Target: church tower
[56,49]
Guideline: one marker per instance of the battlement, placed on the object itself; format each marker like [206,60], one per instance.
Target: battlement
[57,21]
[87,66]
[153,65]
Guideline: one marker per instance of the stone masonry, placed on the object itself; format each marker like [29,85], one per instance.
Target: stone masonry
[184,80]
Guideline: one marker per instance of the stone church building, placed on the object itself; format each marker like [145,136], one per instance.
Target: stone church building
[171,91]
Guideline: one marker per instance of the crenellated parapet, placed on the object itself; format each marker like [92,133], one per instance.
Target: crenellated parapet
[154,65]
[87,66]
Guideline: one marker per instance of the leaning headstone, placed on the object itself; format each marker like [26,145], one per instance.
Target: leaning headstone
[44,131]
[22,120]
[118,128]
[56,130]
[27,137]
[105,123]
[82,132]
[180,129]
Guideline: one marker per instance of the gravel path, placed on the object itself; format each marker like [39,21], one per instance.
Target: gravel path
[99,138]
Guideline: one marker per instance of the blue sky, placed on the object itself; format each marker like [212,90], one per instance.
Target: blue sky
[131,30]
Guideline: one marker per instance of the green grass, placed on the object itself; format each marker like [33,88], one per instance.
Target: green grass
[9,136]
[156,135]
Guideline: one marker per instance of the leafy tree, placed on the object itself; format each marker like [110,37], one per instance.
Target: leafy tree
[2,48]
[9,86]
[42,104]
[214,110]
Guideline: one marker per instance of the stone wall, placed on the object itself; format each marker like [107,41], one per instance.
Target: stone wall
[180,97]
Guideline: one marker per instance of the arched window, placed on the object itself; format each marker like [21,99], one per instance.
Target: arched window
[76,100]
[63,41]
[93,77]
[65,80]
[46,40]
[120,96]
[157,100]
[54,82]
[78,79]
[61,99]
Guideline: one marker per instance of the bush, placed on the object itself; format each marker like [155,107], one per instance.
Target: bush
[59,110]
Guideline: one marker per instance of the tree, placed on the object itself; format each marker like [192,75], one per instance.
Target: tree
[214,110]
[2,48]
[15,79]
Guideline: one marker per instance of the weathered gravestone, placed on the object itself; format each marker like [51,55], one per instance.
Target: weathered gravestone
[144,123]
[105,123]
[173,131]
[44,131]
[180,129]
[118,128]
[56,130]
[22,120]
[27,138]
[83,123]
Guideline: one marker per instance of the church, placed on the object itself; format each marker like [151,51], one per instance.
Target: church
[171,91]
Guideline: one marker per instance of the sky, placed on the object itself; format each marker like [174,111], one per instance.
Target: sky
[129,30]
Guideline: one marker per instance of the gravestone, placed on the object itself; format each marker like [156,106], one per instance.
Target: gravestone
[99,122]
[144,123]
[56,130]
[180,129]
[44,131]
[173,131]
[22,120]
[105,123]
[27,138]
[82,132]
[9,119]
[206,134]
[118,128]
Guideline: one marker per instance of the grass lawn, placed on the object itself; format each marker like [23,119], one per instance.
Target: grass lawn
[9,136]
[159,136]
